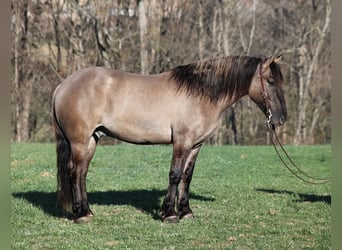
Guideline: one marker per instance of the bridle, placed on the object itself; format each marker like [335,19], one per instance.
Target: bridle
[275,140]
[265,98]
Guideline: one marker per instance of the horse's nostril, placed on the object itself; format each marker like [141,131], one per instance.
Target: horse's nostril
[282,120]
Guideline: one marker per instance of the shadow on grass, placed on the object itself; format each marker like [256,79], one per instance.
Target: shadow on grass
[302,197]
[145,200]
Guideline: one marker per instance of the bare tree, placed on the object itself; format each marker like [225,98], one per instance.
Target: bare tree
[308,54]
[143,37]
[22,76]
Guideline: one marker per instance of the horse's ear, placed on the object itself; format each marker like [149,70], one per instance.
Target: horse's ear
[278,59]
[271,59]
[267,62]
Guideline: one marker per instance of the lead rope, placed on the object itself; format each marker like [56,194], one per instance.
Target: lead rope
[310,180]
[272,130]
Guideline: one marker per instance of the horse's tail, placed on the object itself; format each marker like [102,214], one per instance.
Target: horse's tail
[64,158]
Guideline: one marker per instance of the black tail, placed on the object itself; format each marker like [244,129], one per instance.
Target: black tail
[64,158]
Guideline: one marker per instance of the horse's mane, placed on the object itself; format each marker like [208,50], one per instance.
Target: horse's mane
[216,78]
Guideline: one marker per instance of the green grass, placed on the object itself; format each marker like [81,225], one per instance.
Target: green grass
[242,198]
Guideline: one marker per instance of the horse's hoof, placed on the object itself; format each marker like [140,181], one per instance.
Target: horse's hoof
[84,220]
[188,216]
[171,219]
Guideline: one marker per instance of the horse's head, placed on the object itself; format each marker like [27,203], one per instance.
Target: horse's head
[266,90]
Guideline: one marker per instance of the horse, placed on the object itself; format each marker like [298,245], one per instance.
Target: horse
[182,107]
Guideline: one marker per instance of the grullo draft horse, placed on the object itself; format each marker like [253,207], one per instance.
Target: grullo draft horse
[180,107]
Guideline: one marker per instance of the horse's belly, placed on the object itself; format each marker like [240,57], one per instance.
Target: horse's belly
[141,132]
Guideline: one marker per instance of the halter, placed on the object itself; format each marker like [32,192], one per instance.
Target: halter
[265,98]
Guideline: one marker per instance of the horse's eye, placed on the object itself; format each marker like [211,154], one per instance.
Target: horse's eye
[270,80]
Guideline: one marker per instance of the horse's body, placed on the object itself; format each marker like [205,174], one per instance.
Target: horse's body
[137,118]
[180,107]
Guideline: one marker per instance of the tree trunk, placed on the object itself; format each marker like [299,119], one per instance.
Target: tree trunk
[143,37]
[56,15]
[21,86]
[232,119]
[24,113]
[201,37]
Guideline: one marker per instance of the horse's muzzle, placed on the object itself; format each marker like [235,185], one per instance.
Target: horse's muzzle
[278,121]
[282,120]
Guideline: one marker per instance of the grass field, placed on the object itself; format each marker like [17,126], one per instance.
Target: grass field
[242,198]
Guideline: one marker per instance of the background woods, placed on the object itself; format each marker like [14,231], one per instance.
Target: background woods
[53,38]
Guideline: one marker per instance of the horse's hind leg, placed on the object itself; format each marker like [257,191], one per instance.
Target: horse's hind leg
[184,210]
[82,154]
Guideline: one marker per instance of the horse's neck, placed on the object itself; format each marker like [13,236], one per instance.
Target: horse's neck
[229,101]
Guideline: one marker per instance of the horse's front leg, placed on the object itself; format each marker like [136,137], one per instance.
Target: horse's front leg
[177,165]
[184,210]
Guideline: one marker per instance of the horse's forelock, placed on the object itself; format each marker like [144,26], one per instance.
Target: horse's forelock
[276,72]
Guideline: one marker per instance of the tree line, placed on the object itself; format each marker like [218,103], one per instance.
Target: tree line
[53,38]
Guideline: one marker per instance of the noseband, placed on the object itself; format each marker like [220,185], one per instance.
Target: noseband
[265,98]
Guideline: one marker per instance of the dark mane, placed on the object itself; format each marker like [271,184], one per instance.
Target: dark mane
[216,78]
